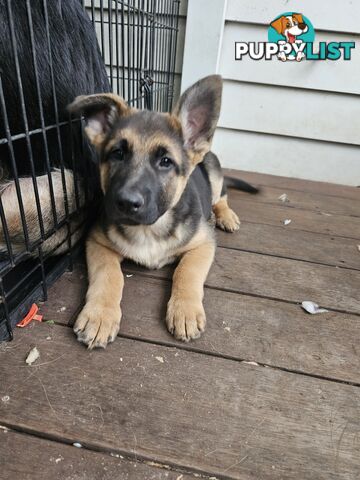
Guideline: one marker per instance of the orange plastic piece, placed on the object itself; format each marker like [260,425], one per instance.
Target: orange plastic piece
[32,315]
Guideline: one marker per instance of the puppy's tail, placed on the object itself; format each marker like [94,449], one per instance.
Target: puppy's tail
[231,182]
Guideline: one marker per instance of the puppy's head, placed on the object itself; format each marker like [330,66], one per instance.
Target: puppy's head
[146,157]
[290,26]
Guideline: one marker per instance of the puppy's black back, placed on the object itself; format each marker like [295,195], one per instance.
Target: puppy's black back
[200,187]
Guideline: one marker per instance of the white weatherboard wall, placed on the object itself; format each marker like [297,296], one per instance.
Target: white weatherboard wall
[292,119]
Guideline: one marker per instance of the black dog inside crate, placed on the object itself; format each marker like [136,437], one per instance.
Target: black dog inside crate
[49,54]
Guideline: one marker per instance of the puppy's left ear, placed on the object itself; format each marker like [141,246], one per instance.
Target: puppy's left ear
[198,111]
[101,111]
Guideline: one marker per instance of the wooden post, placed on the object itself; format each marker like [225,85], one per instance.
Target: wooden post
[204,30]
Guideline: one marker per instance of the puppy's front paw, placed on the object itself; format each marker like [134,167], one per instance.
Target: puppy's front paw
[185,319]
[96,326]
[228,220]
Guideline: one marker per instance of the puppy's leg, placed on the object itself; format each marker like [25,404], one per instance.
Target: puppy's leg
[185,316]
[99,320]
[226,219]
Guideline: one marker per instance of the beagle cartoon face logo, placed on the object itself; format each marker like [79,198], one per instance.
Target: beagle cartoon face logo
[293,30]
[290,26]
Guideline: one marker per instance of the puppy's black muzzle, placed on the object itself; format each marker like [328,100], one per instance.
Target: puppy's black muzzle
[130,201]
[132,206]
[134,198]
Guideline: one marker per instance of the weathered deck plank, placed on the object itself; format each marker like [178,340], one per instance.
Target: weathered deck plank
[296,184]
[305,220]
[315,202]
[63,296]
[285,279]
[238,326]
[25,457]
[184,408]
[277,278]
[294,244]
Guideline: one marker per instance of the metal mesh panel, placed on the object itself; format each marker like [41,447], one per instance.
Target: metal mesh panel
[48,177]
[138,43]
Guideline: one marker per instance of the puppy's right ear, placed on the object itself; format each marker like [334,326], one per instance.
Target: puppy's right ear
[278,24]
[101,111]
[198,111]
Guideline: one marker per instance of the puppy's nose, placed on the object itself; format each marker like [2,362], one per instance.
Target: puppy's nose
[302,26]
[130,201]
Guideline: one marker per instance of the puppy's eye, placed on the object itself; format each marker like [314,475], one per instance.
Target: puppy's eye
[165,163]
[120,151]
[288,25]
[117,154]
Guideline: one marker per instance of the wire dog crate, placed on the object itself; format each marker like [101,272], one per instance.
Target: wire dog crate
[138,41]
[48,176]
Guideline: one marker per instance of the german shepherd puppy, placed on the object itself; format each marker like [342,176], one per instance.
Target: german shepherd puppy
[160,184]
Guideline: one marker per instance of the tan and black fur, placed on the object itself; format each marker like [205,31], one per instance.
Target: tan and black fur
[160,184]
[51,213]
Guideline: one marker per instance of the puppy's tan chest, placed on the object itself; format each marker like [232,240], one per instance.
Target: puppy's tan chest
[145,248]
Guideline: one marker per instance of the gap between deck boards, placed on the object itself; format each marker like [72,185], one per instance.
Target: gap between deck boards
[191,347]
[55,458]
[289,257]
[341,226]
[52,458]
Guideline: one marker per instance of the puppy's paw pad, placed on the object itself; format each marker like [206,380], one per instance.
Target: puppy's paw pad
[185,320]
[96,326]
[228,221]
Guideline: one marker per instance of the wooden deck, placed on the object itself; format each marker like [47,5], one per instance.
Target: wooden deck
[268,392]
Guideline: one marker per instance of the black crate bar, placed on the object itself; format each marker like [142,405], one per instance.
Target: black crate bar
[138,40]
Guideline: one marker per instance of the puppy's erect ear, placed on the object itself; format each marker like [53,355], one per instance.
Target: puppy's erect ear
[298,17]
[198,111]
[101,112]
[278,24]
